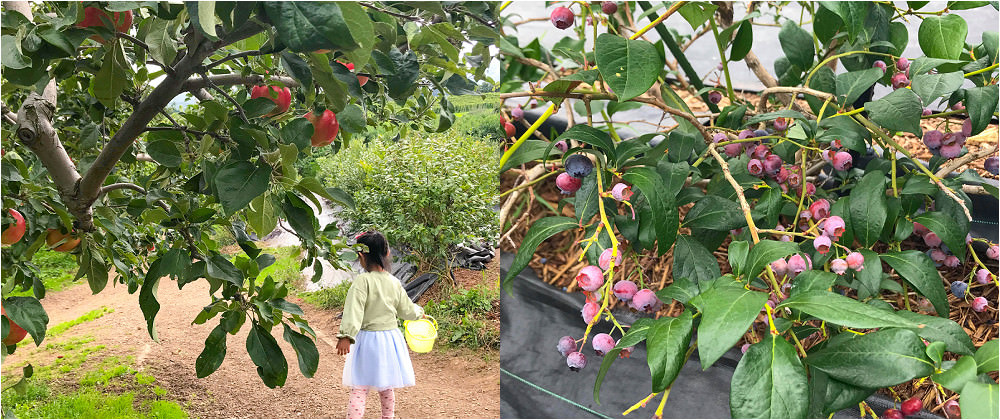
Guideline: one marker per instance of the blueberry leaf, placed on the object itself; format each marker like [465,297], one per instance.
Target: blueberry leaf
[630,67]
[987,357]
[841,310]
[666,344]
[766,251]
[979,400]
[918,270]
[942,36]
[769,382]
[868,207]
[946,228]
[539,232]
[728,310]
[693,261]
[875,360]
[955,378]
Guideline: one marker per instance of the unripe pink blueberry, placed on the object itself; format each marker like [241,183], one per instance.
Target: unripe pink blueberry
[958,106]
[820,209]
[983,276]
[733,149]
[590,278]
[834,227]
[952,261]
[744,348]
[780,124]
[602,343]
[797,264]
[517,113]
[953,409]
[562,17]
[590,311]
[645,300]
[836,143]
[899,81]
[804,217]
[810,189]
[838,266]
[621,192]
[605,259]
[932,239]
[979,304]
[782,175]
[779,267]
[576,361]
[609,7]
[926,112]
[938,256]
[822,244]
[566,345]
[855,261]
[745,134]
[755,167]
[795,177]
[567,183]
[717,137]
[879,64]
[625,290]
[951,151]
[772,165]
[562,146]
[920,229]
[932,139]
[714,96]
[903,64]
[953,138]
[993,252]
[827,155]
[967,127]
[760,151]
[842,161]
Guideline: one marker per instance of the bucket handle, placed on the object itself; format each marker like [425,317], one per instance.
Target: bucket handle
[434,321]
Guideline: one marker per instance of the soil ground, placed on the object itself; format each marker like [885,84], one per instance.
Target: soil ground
[451,383]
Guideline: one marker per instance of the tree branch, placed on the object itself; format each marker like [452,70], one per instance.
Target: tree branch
[122,185]
[233,57]
[9,116]
[199,82]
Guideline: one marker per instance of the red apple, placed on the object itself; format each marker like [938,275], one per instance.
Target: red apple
[281,96]
[325,128]
[54,236]
[92,17]
[15,232]
[361,79]
[16,333]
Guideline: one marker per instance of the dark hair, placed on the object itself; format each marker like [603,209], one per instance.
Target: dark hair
[378,250]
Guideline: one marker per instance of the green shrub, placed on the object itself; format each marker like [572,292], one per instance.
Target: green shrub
[56,269]
[330,298]
[462,318]
[479,124]
[425,192]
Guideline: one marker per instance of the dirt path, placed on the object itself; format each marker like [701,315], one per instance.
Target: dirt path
[450,384]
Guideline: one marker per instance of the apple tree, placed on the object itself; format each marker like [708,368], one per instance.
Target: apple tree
[132,130]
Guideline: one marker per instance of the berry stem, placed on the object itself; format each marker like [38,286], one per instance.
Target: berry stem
[641,403]
[978,261]
[527,184]
[663,402]
[837,56]
[798,344]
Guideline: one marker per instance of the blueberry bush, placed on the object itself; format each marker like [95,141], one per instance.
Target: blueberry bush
[132,130]
[795,219]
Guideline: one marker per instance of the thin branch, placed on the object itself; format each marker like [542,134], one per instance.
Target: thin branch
[199,82]
[969,157]
[762,105]
[233,57]
[9,116]
[185,129]
[239,108]
[399,15]
[122,185]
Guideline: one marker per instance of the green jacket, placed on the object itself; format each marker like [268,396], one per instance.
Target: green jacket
[373,303]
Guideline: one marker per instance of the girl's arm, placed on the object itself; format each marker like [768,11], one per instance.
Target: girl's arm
[405,309]
[354,309]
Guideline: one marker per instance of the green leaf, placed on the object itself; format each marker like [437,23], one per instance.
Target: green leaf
[923,65]
[929,87]
[214,353]
[113,77]
[592,136]
[362,31]
[738,251]
[309,26]
[918,270]
[851,85]
[681,290]
[693,261]
[797,44]
[868,207]
[813,280]
[267,355]
[897,111]
[840,395]
[987,357]
[769,382]
[942,36]
[587,199]
[853,14]
[979,400]
[352,119]
[650,183]
[300,216]
[946,228]
[540,231]
[696,13]
[765,252]
[11,53]
[298,131]
[743,42]
[202,15]
[629,67]
[258,107]
[305,351]
[715,213]
[27,312]
[666,345]
[955,378]
[262,216]
[635,334]
[941,329]
[728,311]
[870,276]
[220,268]
[147,297]
[239,183]
[165,153]
[406,72]
[981,103]
[842,310]
[160,41]
[875,360]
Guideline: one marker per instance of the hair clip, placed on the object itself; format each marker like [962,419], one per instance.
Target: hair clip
[360,235]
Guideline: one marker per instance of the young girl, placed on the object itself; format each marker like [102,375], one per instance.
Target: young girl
[379,358]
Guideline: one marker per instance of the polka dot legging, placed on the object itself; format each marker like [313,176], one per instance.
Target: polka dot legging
[356,403]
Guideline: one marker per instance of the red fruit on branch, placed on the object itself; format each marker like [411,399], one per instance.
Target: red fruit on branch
[281,96]
[15,334]
[55,236]
[325,128]
[92,16]
[361,79]
[15,232]
[913,405]
[562,17]
[509,129]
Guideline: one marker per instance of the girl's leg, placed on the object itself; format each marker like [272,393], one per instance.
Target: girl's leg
[356,403]
[388,398]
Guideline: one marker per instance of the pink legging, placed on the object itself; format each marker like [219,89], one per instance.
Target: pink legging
[356,403]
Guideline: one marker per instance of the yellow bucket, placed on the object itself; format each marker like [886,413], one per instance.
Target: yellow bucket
[420,334]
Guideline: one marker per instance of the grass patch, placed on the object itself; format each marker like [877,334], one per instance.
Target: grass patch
[331,298]
[87,404]
[56,269]
[87,317]
[286,266]
[463,318]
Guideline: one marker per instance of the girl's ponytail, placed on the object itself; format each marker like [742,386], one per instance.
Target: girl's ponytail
[378,250]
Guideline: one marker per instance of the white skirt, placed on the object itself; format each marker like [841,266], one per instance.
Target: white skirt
[379,360]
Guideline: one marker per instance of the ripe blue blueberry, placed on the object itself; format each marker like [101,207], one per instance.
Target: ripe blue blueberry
[579,166]
[715,96]
[958,288]
[992,165]
[517,113]
[760,133]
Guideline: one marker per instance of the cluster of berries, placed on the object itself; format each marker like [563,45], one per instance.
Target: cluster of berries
[948,145]
[901,78]
[577,168]
[910,407]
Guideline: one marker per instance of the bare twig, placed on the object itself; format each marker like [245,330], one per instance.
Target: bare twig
[9,116]
[969,157]
[399,15]
[122,185]
[195,83]
[233,57]
[239,108]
